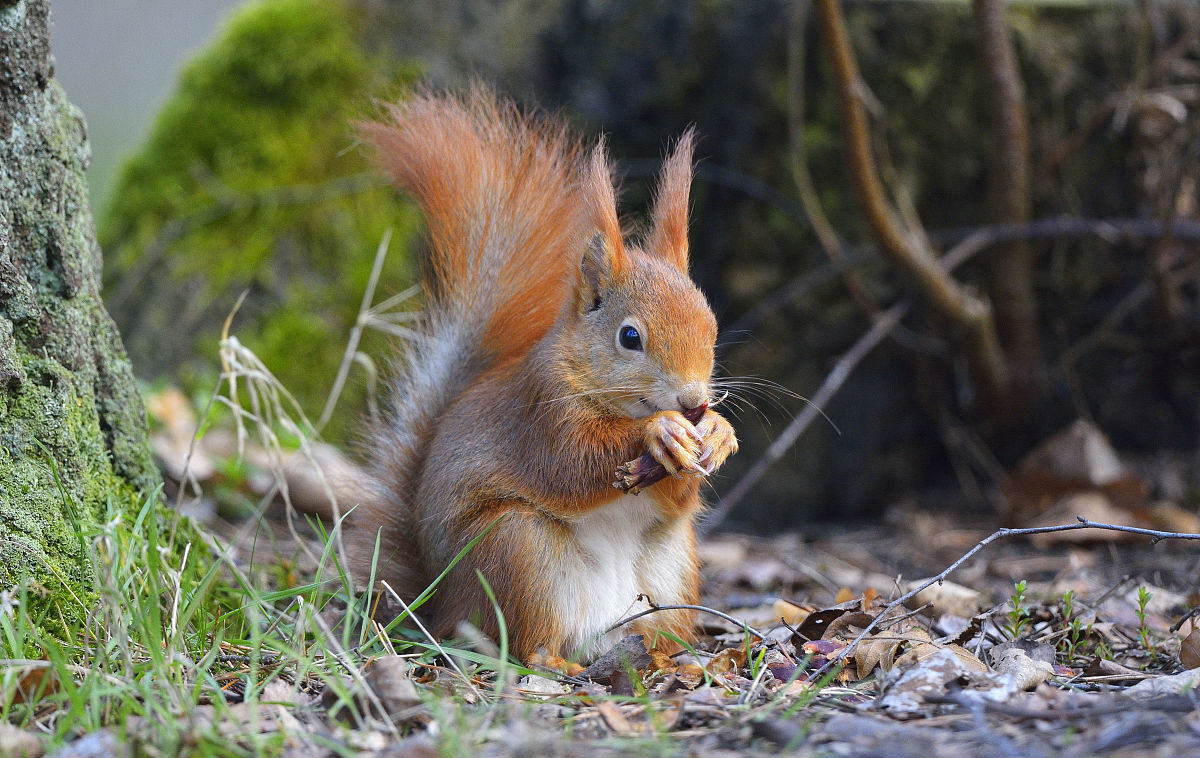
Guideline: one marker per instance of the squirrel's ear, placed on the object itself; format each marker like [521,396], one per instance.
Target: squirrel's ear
[602,200]
[596,272]
[668,235]
[604,256]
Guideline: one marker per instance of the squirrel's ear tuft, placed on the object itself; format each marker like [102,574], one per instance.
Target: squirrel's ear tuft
[668,235]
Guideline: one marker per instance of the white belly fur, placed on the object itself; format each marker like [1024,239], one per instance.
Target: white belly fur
[615,563]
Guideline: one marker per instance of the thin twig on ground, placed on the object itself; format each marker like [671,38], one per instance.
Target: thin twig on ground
[1156,536]
[703,609]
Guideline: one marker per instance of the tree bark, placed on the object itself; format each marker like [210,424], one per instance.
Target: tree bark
[72,426]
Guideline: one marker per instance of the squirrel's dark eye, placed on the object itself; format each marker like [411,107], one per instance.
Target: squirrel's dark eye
[629,338]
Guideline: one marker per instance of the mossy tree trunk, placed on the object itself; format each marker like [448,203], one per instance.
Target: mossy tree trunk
[72,426]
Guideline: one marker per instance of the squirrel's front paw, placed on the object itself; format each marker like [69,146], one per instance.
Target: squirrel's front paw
[719,441]
[674,442]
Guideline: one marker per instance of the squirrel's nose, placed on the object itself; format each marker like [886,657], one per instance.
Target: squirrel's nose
[692,396]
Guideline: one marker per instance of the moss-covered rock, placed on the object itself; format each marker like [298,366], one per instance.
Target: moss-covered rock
[72,427]
[250,180]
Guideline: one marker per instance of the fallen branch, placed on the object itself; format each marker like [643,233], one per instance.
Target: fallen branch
[833,382]
[1155,535]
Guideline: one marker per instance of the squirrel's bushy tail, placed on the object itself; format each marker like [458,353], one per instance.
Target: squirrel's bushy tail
[500,193]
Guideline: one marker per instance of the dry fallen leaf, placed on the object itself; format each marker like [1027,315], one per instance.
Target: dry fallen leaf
[797,687]
[869,597]
[848,625]
[540,688]
[1113,672]
[1189,650]
[876,651]
[923,649]
[630,651]
[33,684]
[690,674]
[822,647]
[667,713]
[790,613]
[1026,672]
[727,662]
[612,715]
[815,624]
[904,693]
[660,661]
[948,597]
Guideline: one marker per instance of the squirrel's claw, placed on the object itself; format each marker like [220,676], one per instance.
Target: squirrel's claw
[674,442]
[720,442]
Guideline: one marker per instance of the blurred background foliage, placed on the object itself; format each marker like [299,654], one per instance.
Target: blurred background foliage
[250,181]
[250,178]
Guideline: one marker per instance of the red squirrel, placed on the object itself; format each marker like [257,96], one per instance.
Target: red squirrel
[552,350]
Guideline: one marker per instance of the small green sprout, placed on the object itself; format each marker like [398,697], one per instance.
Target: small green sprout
[1075,629]
[1018,616]
[1143,600]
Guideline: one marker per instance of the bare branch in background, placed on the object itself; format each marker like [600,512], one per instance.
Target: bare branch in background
[970,243]
[974,240]
[826,235]
[968,312]
[1010,269]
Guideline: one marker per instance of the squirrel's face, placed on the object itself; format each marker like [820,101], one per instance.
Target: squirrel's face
[649,335]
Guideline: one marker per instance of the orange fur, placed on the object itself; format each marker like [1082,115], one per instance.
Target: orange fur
[515,406]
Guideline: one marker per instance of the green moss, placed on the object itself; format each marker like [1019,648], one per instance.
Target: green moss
[198,216]
[58,483]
